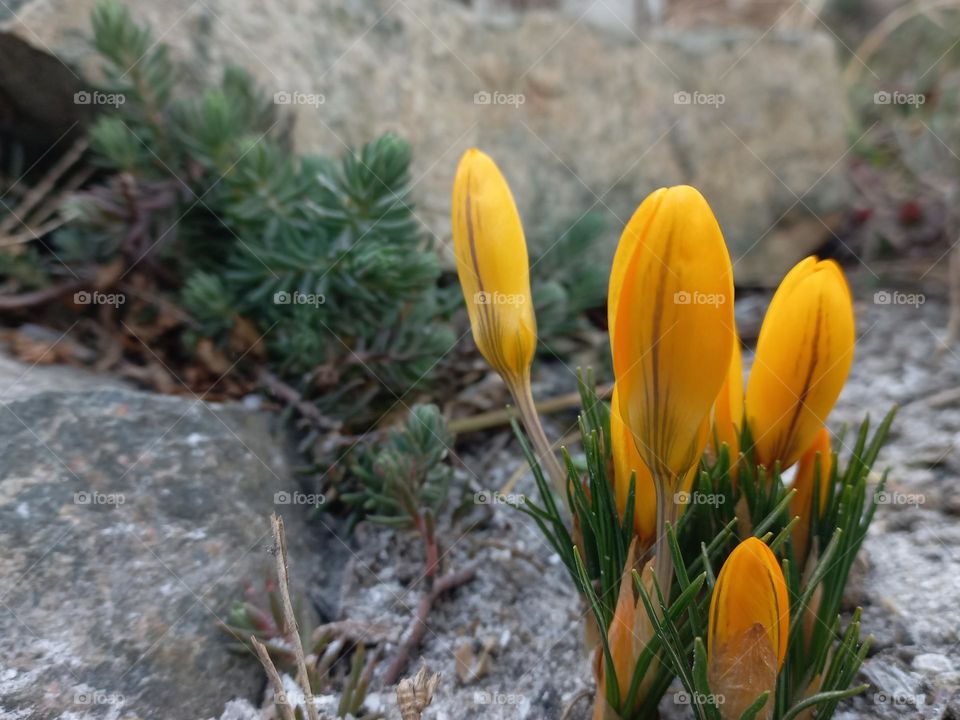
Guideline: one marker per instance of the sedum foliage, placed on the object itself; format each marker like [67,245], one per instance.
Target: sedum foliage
[321,258]
[405,480]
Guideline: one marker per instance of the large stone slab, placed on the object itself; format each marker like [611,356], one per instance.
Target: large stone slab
[129,523]
[578,117]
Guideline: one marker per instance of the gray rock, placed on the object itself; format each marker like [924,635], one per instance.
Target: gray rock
[129,524]
[577,116]
[19,380]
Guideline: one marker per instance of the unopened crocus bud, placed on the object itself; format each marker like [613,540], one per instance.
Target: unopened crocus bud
[492,264]
[494,272]
[671,325]
[804,483]
[670,307]
[803,357]
[748,629]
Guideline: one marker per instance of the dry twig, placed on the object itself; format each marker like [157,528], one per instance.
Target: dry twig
[290,627]
[415,636]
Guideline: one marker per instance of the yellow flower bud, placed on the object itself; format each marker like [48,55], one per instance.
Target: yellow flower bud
[748,629]
[671,326]
[728,407]
[803,357]
[492,263]
[804,482]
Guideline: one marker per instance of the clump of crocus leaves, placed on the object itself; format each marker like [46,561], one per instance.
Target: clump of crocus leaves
[697,559]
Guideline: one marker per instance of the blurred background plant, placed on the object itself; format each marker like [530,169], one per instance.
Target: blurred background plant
[231,252]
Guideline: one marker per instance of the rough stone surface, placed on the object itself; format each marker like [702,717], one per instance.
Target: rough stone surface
[129,524]
[19,380]
[578,117]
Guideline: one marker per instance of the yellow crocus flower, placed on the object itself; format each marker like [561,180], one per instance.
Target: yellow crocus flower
[804,482]
[670,306]
[493,267]
[803,357]
[748,629]
[494,271]
[671,332]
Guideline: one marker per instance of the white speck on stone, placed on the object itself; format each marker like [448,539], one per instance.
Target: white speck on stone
[195,439]
[932,663]
[23,510]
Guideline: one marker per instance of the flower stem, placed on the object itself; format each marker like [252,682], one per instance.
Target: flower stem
[666,513]
[527,410]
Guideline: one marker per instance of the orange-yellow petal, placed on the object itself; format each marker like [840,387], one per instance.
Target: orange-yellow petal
[803,357]
[492,264]
[728,408]
[804,482]
[626,461]
[750,591]
[672,329]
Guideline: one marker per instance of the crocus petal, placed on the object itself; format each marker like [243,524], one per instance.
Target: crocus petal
[728,408]
[803,357]
[492,263]
[627,460]
[671,304]
[804,482]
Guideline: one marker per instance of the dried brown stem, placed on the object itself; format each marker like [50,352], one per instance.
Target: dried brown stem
[279,693]
[415,636]
[289,618]
[292,396]
[43,188]
[40,297]
[495,418]
[568,710]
